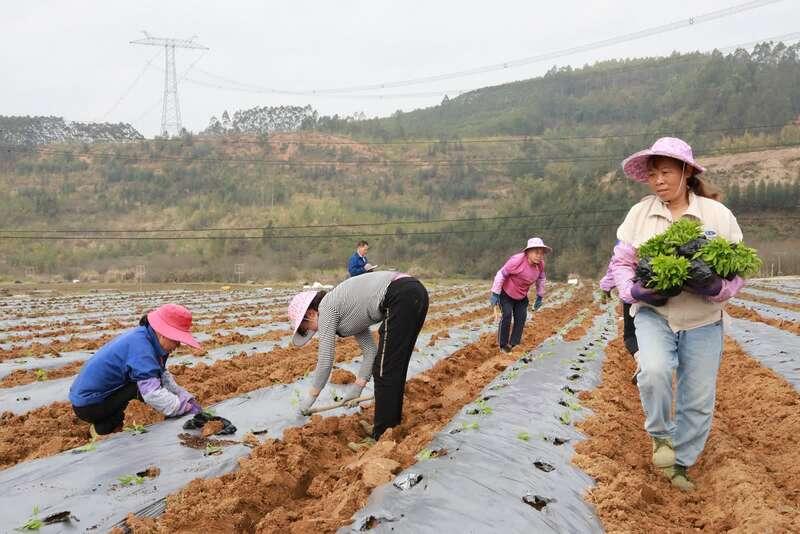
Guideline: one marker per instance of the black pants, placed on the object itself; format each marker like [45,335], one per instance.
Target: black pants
[518,309]
[108,414]
[629,330]
[404,308]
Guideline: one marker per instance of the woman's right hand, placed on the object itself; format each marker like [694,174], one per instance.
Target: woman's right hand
[647,295]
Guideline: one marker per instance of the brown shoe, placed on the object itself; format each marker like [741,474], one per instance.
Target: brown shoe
[368,428]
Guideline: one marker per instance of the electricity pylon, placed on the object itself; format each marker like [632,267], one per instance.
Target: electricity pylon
[171,113]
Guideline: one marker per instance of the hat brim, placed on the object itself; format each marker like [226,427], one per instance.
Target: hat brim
[635,165]
[299,341]
[547,249]
[171,332]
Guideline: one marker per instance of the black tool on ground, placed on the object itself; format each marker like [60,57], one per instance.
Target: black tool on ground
[200,420]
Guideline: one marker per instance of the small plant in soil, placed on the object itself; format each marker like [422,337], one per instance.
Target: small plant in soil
[524,436]
[130,480]
[89,447]
[213,449]
[481,408]
[208,412]
[565,418]
[295,398]
[469,426]
[135,428]
[511,375]
[40,374]
[33,522]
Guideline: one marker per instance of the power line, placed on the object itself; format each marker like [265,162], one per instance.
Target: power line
[648,32]
[338,236]
[130,87]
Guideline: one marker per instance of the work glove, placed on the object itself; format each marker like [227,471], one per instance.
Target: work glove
[494,300]
[650,296]
[195,407]
[604,296]
[537,303]
[185,398]
[352,392]
[305,405]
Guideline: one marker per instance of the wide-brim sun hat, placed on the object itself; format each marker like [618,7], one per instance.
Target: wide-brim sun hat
[174,322]
[297,312]
[635,165]
[536,242]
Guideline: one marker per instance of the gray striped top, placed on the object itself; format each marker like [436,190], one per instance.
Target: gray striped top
[349,310]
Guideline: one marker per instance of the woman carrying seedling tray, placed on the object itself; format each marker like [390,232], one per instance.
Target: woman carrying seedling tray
[398,302]
[133,366]
[673,246]
[510,291]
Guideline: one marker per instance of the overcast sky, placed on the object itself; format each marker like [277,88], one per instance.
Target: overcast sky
[73,59]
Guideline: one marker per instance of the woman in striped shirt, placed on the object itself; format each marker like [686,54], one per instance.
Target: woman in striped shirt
[398,302]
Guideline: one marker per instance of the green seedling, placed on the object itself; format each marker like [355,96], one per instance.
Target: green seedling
[669,272]
[524,436]
[727,259]
[498,386]
[208,412]
[40,374]
[565,418]
[135,428]
[295,398]
[335,395]
[212,449]
[574,406]
[483,407]
[511,375]
[470,426]
[130,480]
[424,454]
[33,522]
[89,447]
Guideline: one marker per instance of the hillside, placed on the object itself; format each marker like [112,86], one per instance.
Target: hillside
[682,92]
[47,130]
[270,189]
[287,192]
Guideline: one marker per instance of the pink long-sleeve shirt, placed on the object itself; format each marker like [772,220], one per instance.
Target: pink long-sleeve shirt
[517,276]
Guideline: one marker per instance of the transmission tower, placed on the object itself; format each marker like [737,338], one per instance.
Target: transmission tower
[171,113]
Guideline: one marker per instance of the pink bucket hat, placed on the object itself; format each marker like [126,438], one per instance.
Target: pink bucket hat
[297,312]
[536,242]
[174,322]
[635,166]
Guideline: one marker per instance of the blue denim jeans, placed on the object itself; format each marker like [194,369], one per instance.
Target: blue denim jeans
[695,356]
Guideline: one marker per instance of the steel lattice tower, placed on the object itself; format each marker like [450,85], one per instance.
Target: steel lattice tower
[171,111]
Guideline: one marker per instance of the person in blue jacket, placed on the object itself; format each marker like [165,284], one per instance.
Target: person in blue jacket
[358,263]
[134,366]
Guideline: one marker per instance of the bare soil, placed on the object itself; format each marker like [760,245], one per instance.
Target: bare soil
[311,481]
[748,477]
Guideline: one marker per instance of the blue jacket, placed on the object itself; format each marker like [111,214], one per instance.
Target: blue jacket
[356,264]
[130,357]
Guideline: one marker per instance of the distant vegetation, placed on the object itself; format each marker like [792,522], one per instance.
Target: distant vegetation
[537,157]
[46,130]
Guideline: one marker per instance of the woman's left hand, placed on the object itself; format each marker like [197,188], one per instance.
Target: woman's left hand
[537,303]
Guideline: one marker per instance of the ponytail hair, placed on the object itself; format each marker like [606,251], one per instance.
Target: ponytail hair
[704,188]
[143,321]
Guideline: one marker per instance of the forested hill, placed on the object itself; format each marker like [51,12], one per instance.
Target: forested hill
[447,191]
[46,130]
[682,92]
